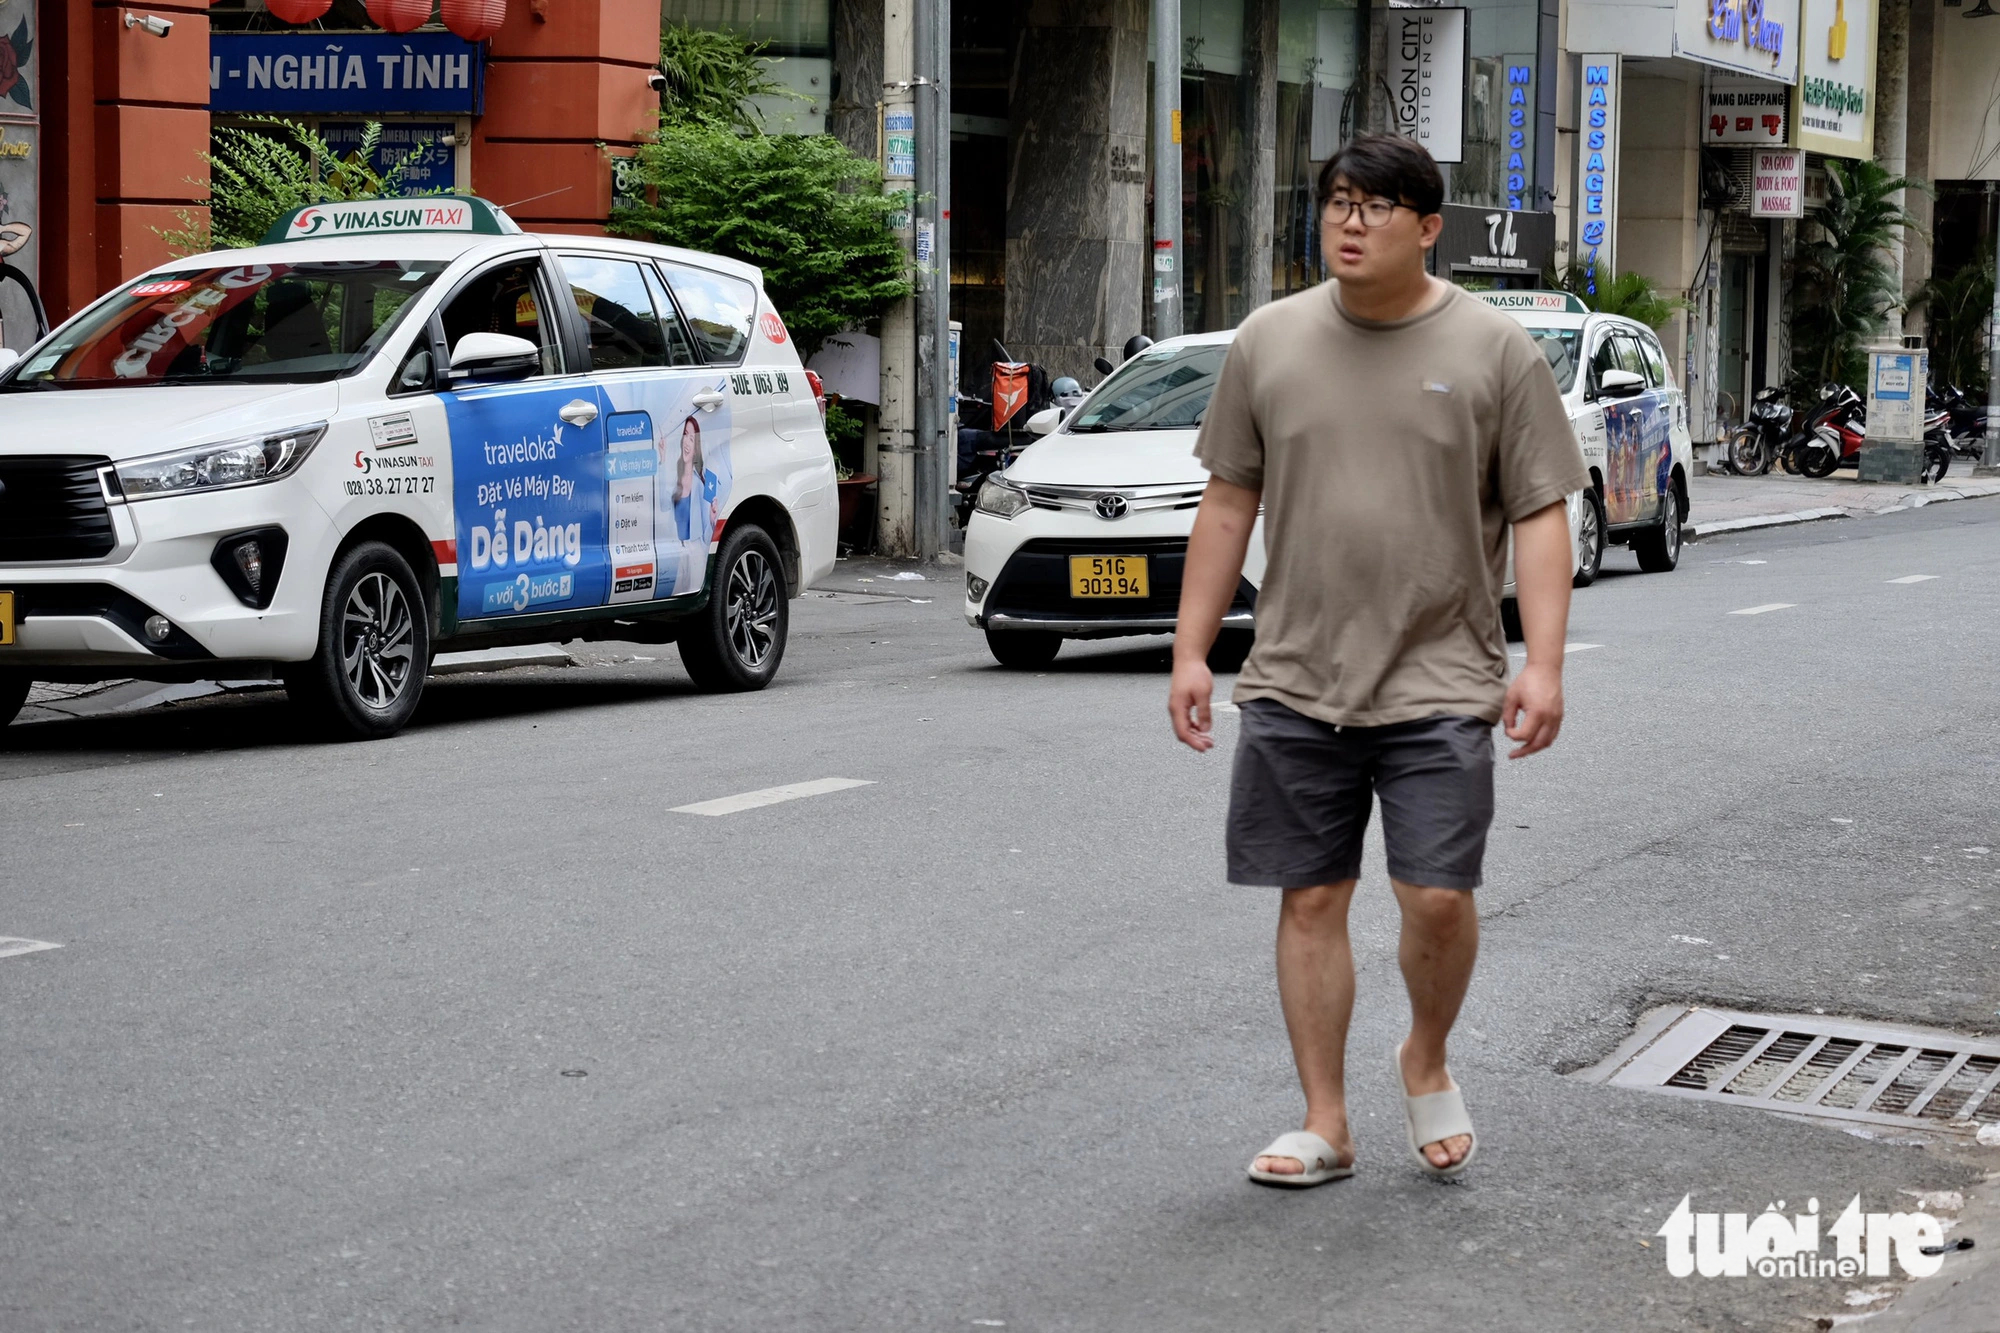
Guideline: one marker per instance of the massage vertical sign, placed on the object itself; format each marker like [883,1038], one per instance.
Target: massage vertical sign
[1520,131]
[1425,73]
[1594,211]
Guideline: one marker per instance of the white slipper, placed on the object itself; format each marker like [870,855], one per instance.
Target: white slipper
[1310,1151]
[1433,1117]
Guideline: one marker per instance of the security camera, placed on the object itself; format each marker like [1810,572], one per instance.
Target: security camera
[153,24]
[657,81]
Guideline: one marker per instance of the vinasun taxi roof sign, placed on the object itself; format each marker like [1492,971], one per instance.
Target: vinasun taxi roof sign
[364,217]
[1564,303]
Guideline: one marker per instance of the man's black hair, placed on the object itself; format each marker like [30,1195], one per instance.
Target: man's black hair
[1387,165]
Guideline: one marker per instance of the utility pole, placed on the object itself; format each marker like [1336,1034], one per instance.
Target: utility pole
[1166,168]
[932,48]
[896,455]
[1991,462]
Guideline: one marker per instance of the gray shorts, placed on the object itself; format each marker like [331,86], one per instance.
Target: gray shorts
[1300,792]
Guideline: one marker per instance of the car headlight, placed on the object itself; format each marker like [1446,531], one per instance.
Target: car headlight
[209,467]
[1000,499]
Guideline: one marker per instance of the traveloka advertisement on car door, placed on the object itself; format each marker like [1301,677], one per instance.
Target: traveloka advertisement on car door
[576,496]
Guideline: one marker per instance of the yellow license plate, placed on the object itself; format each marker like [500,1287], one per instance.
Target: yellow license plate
[6,618]
[1107,576]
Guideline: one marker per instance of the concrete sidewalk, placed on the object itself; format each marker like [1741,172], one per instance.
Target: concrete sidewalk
[1721,503]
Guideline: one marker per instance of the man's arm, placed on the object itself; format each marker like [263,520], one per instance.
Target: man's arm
[1544,562]
[1208,585]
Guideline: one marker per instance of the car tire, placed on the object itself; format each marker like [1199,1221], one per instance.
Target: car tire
[1510,619]
[1230,650]
[1023,649]
[364,680]
[1659,547]
[736,642]
[1590,539]
[14,687]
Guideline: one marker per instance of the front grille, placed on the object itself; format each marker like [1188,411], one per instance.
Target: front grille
[52,508]
[1035,581]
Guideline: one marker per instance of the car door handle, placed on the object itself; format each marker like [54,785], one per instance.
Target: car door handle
[710,399]
[578,413]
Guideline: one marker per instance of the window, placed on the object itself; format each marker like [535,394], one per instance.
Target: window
[1558,347]
[288,323]
[1656,363]
[720,309]
[1603,359]
[507,300]
[617,311]
[1628,355]
[680,347]
[1163,389]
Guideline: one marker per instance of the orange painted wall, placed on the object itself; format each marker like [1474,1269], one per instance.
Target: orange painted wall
[124,124]
[561,88]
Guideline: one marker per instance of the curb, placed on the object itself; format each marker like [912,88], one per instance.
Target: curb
[1697,531]
[500,659]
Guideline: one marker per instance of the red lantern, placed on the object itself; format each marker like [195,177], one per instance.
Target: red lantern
[298,11]
[400,15]
[475,20]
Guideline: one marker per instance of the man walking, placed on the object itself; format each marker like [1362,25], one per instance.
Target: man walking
[1392,428]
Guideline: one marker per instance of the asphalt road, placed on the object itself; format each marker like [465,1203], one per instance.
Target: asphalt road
[470,1029]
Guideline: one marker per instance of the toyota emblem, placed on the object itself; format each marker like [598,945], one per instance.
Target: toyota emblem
[1111,506]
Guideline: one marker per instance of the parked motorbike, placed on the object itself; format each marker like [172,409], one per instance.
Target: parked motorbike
[988,438]
[1756,444]
[1964,422]
[1839,432]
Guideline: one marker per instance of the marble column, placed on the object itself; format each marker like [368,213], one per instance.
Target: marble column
[1076,184]
[1892,124]
[1260,154]
[1921,204]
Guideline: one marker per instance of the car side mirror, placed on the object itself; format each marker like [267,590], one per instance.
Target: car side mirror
[1103,367]
[494,356]
[8,356]
[1620,384]
[1045,421]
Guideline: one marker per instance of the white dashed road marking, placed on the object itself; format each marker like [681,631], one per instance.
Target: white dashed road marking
[9,946]
[1914,578]
[791,791]
[1567,649]
[1760,610]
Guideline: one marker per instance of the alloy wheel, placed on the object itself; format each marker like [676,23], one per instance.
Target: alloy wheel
[1587,539]
[375,641]
[751,609]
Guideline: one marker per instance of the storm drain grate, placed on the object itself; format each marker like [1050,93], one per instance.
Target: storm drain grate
[1835,1069]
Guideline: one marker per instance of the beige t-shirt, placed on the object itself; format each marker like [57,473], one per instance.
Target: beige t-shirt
[1391,457]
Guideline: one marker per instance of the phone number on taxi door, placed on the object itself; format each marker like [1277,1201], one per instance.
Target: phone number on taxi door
[391,486]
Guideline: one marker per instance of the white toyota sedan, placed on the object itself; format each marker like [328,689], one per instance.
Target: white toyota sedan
[1084,537]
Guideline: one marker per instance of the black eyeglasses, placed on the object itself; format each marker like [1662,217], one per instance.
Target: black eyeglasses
[1374,212]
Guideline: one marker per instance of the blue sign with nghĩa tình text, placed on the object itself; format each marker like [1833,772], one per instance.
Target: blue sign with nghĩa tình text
[351,73]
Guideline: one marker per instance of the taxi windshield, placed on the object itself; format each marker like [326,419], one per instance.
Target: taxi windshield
[1558,348]
[1164,388]
[254,323]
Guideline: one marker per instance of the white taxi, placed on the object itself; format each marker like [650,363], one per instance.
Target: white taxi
[1630,419]
[399,425]
[1085,535]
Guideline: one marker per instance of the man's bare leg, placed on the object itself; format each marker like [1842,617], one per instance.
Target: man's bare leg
[1439,944]
[1316,988]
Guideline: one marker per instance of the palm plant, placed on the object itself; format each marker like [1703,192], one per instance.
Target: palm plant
[1960,306]
[1629,294]
[712,76]
[260,172]
[1844,286]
